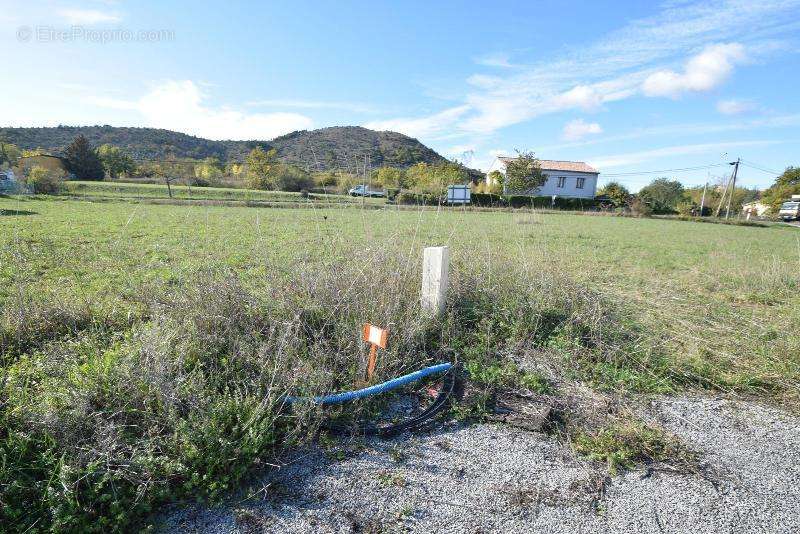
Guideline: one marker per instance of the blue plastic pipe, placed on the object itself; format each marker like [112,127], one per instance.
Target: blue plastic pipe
[347,396]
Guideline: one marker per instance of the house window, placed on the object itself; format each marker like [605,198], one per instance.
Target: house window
[562,181]
[579,184]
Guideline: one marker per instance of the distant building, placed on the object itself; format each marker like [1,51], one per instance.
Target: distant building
[756,208]
[8,182]
[46,161]
[569,179]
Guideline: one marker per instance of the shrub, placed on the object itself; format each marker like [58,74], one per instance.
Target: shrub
[486,199]
[687,208]
[44,182]
[525,201]
[624,444]
[291,178]
[420,199]
[639,208]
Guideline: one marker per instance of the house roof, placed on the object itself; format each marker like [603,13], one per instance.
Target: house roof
[559,165]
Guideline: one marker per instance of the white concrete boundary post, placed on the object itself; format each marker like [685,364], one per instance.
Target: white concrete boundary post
[435,265]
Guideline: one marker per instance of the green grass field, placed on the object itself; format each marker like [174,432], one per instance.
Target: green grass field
[141,333]
[135,191]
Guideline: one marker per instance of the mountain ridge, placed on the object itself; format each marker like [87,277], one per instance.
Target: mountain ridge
[335,147]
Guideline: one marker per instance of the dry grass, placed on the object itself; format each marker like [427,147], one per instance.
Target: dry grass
[138,370]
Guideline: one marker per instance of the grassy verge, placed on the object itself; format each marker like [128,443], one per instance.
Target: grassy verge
[145,349]
[124,190]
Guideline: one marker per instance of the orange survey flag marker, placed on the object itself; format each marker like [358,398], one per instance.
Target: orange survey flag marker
[376,337]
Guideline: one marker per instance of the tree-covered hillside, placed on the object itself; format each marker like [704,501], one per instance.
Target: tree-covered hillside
[342,147]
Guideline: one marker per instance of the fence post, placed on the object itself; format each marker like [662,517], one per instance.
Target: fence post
[435,264]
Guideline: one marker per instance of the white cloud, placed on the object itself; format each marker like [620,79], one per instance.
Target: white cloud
[580,96]
[578,129]
[181,106]
[734,106]
[703,72]
[88,17]
[495,60]
[423,126]
[637,58]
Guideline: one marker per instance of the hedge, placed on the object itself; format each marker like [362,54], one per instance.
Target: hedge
[523,201]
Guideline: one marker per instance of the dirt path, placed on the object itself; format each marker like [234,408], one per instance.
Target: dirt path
[488,478]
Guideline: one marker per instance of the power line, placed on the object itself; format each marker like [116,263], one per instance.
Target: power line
[759,168]
[702,167]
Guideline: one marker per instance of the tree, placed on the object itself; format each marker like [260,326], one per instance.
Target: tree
[208,172]
[9,154]
[290,178]
[434,178]
[44,182]
[82,160]
[662,195]
[115,161]
[618,193]
[389,177]
[259,164]
[786,185]
[523,174]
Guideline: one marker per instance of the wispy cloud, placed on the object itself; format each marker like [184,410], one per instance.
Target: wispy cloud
[685,47]
[735,106]
[88,17]
[713,150]
[496,60]
[684,130]
[181,106]
[578,129]
[423,126]
[313,104]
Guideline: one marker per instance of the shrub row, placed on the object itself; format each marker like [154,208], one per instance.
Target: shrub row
[492,200]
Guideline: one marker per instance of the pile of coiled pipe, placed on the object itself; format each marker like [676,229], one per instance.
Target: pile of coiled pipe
[451,384]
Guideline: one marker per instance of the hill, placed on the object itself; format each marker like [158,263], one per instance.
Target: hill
[340,147]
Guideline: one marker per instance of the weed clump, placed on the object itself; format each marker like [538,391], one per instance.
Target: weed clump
[624,444]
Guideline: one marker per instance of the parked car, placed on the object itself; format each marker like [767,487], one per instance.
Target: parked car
[362,190]
[790,210]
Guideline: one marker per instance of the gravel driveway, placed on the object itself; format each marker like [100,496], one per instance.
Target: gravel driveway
[495,478]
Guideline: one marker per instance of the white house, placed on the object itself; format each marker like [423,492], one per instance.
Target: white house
[570,179]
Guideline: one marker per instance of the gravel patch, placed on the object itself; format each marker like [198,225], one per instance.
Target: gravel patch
[491,478]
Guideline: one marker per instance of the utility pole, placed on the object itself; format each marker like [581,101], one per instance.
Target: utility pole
[703,199]
[733,187]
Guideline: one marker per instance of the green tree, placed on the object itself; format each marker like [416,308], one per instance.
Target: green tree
[523,174]
[208,172]
[434,178]
[259,165]
[82,160]
[662,195]
[389,177]
[290,178]
[9,154]
[618,193]
[115,161]
[786,185]
[44,182]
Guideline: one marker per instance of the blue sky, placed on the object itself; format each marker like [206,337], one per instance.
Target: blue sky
[631,87]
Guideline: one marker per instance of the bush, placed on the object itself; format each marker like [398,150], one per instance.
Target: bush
[44,182]
[419,199]
[281,177]
[639,208]
[687,208]
[525,201]
[486,199]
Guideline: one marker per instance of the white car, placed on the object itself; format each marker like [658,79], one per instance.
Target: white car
[790,210]
[362,190]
